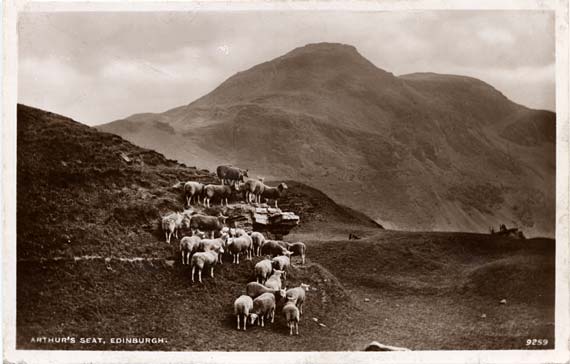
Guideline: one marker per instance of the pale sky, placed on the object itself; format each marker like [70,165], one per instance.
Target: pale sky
[96,67]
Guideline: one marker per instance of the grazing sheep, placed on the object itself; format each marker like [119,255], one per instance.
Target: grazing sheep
[274,281]
[243,305]
[242,244]
[281,262]
[207,245]
[231,174]
[298,248]
[291,313]
[263,270]
[274,248]
[217,191]
[188,246]
[297,295]
[170,224]
[254,289]
[258,239]
[202,259]
[192,191]
[274,193]
[207,223]
[263,308]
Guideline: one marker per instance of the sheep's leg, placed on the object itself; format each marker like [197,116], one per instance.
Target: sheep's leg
[212,271]
[273,314]
[301,308]
[238,315]
[200,275]
[296,328]
[262,321]
[303,259]
[193,268]
[290,324]
[183,257]
[244,322]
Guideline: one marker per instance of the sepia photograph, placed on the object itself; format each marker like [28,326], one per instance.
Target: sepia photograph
[217,177]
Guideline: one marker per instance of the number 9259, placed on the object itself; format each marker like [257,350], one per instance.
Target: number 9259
[536,342]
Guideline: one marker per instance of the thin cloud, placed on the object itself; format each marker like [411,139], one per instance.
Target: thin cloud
[75,62]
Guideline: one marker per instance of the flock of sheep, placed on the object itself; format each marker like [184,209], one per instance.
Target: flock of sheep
[266,293]
[233,182]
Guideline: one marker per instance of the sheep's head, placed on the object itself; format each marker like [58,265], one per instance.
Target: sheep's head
[283,292]
[252,318]
[305,286]
[287,253]
[279,272]
[201,234]
[186,222]
[282,187]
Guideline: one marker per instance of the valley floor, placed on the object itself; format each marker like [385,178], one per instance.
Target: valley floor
[423,291]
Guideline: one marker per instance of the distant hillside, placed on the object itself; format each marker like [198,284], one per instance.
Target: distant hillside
[420,151]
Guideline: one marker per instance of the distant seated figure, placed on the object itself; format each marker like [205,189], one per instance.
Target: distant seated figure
[352,236]
[503,227]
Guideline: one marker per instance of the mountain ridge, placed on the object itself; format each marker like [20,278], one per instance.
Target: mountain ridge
[404,149]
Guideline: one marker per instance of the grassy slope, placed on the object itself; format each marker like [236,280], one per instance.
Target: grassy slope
[425,290]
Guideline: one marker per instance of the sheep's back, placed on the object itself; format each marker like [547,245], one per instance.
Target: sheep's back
[264,303]
[243,305]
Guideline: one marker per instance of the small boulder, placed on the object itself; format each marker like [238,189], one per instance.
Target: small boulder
[503,301]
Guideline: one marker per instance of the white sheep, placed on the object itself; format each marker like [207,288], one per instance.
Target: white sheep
[258,239]
[192,190]
[281,262]
[243,305]
[254,289]
[253,188]
[223,192]
[297,295]
[170,224]
[263,308]
[188,246]
[217,244]
[274,281]
[202,259]
[263,270]
[237,232]
[291,313]
[236,246]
